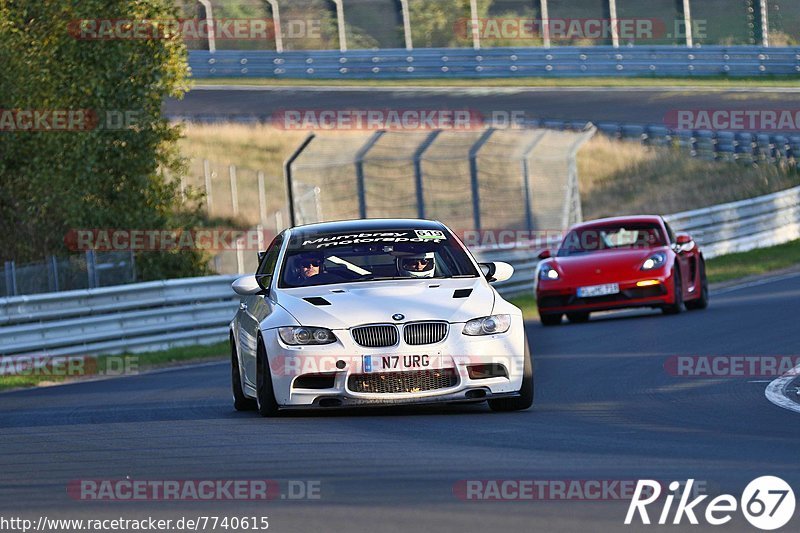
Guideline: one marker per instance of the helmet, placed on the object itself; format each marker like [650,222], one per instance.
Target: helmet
[417,266]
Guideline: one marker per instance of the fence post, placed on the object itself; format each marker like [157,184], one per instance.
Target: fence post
[526,179]
[406,24]
[612,14]
[418,171]
[133,267]
[473,173]
[476,32]
[287,175]
[52,274]
[762,15]
[687,22]
[207,176]
[340,24]
[276,17]
[91,269]
[234,190]
[360,185]
[545,16]
[262,199]
[11,278]
[212,41]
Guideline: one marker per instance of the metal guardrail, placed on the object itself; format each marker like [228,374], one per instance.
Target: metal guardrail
[497,62]
[156,315]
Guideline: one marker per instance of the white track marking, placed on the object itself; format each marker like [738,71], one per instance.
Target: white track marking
[776,391]
[493,90]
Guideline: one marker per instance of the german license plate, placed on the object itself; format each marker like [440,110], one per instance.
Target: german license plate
[397,363]
[598,290]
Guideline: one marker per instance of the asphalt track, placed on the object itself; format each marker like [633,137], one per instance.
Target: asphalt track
[605,409]
[638,106]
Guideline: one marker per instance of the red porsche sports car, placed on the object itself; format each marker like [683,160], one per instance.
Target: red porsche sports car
[611,263]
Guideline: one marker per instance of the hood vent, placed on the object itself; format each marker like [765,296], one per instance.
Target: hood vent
[462,293]
[317,300]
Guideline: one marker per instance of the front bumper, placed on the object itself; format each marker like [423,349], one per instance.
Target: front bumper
[562,298]
[339,365]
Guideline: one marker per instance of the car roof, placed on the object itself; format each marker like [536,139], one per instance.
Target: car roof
[633,219]
[366,224]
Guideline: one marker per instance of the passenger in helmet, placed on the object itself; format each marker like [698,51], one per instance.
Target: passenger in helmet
[417,266]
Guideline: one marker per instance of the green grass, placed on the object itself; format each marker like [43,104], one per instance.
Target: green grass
[706,81]
[123,364]
[528,305]
[754,262]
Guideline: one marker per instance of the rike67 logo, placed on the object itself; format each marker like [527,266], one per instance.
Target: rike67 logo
[767,503]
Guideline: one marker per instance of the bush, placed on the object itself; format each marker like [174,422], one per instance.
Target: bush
[54,181]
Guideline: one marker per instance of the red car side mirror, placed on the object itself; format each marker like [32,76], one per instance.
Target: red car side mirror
[683,238]
[545,254]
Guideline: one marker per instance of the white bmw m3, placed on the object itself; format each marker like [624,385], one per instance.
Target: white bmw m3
[376,312]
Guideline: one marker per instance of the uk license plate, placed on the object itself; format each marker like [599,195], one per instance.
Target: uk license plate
[598,290]
[398,363]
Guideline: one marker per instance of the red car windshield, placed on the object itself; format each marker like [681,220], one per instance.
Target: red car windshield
[609,238]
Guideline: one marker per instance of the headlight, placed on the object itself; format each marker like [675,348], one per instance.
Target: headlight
[654,261]
[487,325]
[548,272]
[304,335]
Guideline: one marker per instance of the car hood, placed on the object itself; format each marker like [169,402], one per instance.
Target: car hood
[352,304]
[602,265]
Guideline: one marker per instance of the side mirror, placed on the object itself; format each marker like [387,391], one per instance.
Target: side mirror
[261,256]
[497,271]
[683,243]
[246,285]
[545,254]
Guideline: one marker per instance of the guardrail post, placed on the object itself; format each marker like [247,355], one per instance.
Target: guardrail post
[276,17]
[418,171]
[406,24]
[287,175]
[212,38]
[11,278]
[545,16]
[687,22]
[340,24]
[360,180]
[473,173]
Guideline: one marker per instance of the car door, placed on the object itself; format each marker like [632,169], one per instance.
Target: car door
[254,308]
[684,262]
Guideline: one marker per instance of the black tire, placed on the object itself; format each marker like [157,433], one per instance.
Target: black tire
[265,396]
[578,318]
[525,398]
[677,305]
[240,401]
[702,301]
[550,319]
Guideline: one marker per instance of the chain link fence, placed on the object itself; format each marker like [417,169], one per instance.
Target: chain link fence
[492,179]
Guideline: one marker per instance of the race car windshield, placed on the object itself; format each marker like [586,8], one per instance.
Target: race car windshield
[331,258]
[610,238]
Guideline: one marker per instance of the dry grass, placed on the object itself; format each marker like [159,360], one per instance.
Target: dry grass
[616,178]
[620,178]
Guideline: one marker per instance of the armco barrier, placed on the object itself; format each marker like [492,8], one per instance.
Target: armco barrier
[497,62]
[156,315]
